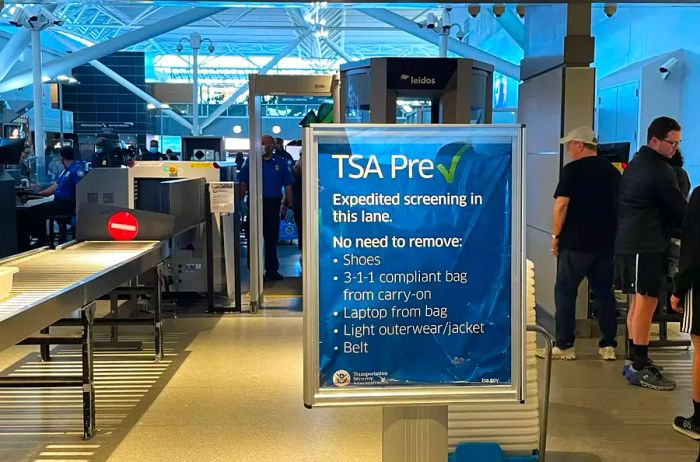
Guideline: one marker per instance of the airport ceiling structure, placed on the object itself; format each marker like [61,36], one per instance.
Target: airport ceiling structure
[324,32]
[320,35]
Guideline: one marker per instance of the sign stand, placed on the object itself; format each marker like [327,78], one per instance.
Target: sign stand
[418,300]
[414,433]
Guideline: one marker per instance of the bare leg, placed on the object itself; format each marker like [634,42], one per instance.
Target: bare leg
[644,308]
[630,317]
[696,367]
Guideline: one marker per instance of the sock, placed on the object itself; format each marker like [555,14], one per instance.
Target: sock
[630,349]
[641,356]
[696,416]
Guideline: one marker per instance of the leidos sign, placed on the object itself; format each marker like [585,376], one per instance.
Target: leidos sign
[423,80]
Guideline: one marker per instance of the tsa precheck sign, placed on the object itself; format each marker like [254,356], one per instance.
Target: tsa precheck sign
[415,259]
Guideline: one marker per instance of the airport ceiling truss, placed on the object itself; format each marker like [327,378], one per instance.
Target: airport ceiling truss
[328,33]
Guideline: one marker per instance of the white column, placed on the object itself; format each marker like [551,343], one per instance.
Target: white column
[443,44]
[39,135]
[444,32]
[195,42]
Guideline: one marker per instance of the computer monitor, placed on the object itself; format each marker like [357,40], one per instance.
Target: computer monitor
[615,152]
[15,173]
[11,151]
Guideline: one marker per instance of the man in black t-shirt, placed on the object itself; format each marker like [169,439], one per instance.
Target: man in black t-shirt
[583,238]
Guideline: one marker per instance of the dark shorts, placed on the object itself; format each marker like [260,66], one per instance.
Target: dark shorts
[691,316]
[641,274]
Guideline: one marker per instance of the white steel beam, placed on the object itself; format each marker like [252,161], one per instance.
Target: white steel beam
[99,50]
[337,49]
[13,50]
[513,26]
[455,46]
[263,70]
[126,84]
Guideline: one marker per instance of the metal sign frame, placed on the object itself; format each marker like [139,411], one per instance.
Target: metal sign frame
[314,395]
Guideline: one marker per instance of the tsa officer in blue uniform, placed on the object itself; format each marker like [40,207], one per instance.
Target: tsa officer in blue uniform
[276,177]
[154,153]
[31,221]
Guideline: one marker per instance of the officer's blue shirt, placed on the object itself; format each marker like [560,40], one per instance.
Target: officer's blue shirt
[276,174]
[67,180]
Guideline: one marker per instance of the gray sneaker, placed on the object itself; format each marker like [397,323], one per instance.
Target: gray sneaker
[650,377]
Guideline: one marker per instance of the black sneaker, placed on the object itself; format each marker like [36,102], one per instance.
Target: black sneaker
[273,276]
[685,426]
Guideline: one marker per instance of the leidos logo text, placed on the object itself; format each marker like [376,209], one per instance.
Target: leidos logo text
[418,80]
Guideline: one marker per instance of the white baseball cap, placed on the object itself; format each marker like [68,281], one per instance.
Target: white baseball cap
[582,134]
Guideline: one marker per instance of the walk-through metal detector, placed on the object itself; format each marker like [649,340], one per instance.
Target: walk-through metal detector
[273,85]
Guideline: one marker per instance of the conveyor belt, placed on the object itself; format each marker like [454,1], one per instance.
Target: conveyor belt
[53,283]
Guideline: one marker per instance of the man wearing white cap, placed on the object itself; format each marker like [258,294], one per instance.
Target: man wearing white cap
[583,237]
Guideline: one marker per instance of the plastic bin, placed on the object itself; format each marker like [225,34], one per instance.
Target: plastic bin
[6,275]
[484,452]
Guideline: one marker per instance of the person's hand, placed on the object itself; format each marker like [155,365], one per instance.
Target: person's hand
[290,216]
[555,246]
[676,304]
[283,211]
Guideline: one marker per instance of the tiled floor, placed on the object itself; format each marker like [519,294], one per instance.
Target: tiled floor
[232,391]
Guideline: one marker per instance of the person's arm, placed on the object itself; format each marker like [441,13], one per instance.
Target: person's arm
[242,189]
[689,262]
[562,197]
[669,198]
[289,196]
[561,206]
[48,191]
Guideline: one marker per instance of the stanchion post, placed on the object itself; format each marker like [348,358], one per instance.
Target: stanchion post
[237,246]
[210,251]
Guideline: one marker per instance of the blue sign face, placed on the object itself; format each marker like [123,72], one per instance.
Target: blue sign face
[414,270]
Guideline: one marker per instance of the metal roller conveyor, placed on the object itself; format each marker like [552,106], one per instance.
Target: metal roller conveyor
[51,284]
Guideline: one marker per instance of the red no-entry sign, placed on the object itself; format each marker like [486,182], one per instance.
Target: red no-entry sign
[123,226]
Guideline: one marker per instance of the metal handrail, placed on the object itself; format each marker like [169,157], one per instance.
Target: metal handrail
[544,416]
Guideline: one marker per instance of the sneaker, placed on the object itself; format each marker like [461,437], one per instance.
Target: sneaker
[566,354]
[685,426]
[607,353]
[626,369]
[649,377]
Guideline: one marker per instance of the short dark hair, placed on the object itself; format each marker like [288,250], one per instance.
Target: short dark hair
[591,146]
[660,128]
[169,151]
[67,152]
[154,142]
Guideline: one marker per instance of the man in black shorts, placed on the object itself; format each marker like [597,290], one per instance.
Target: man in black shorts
[683,300]
[583,238]
[651,205]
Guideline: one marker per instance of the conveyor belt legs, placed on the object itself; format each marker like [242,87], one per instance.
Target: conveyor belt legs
[45,350]
[157,321]
[87,316]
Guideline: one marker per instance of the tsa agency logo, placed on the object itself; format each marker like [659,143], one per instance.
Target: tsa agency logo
[341,378]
